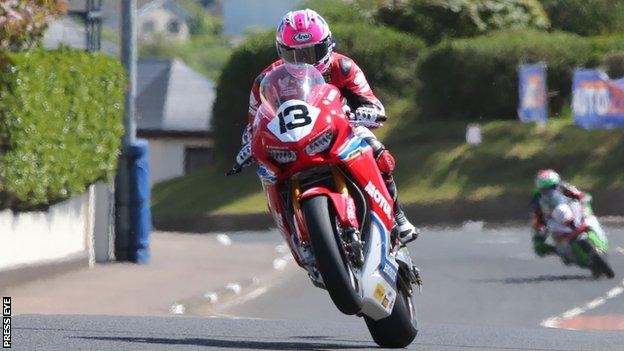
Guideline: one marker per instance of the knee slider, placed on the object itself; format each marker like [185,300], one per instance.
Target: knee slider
[386,162]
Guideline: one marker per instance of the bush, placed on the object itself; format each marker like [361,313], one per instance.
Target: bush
[613,64]
[586,17]
[477,78]
[388,58]
[434,20]
[343,11]
[60,124]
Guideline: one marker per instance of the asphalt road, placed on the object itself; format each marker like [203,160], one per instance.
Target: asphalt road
[484,290]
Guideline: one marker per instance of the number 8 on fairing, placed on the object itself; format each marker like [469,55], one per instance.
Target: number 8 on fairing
[297,115]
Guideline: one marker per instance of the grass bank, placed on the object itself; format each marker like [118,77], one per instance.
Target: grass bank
[435,165]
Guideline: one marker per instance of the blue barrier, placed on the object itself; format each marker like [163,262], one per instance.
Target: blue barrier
[139,202]
[533,104]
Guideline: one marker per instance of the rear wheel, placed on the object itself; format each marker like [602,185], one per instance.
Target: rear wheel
[600,264]
[330,258]
[597,260]
[400,328]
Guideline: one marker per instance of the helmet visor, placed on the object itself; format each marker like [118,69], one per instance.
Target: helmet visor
[311,55]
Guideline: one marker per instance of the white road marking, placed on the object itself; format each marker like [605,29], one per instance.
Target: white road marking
[211,296]
[573,312]
[615,292]
[620,250]
[234,287]
[282,249]
[244,298]
[553,322]
[279,264]
[595,303]
[224,240]
[177,309]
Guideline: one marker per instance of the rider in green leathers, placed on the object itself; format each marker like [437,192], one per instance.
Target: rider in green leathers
[550,191]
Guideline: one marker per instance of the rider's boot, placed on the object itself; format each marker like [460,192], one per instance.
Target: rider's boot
[405,230]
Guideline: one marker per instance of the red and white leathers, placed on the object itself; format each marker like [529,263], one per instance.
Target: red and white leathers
[567,190]
[543,206]
[345,74]
[342,72]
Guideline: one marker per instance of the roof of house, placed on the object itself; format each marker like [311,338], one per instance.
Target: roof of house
[173,97]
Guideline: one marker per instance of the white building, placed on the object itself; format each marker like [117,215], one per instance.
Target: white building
[174,108]
[155,18]
[165,19]
[243,16]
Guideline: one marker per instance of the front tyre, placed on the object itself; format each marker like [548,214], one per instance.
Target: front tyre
[330,258]
[400,328]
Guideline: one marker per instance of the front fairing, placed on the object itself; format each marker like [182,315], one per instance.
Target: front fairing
[330,118]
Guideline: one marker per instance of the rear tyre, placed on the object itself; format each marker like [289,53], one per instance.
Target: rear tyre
[598,263]
[330,258]
[400,328]
[601,264]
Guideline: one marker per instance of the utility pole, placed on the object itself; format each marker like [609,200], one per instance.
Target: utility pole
[122,191]
[92,18]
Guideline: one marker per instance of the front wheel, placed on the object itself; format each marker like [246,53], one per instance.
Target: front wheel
[400,328]
[330,258]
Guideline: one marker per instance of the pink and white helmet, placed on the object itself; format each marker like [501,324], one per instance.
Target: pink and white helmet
[303,36]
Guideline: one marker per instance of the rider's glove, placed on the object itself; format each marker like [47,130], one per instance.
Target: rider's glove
[243,159]
[369,117]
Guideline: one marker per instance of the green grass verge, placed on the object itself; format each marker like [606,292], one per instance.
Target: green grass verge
[435,164]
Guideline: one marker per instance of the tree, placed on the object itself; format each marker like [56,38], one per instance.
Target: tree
[23,22]
[586,17]
[434,20]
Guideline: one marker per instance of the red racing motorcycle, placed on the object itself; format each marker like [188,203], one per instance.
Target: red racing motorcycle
[330,202]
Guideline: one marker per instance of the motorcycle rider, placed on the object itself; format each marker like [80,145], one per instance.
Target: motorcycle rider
[303,36]
[550,189]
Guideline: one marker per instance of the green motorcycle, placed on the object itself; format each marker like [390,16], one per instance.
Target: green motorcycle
[579,237]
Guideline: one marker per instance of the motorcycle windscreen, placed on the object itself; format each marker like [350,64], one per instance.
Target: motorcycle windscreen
[290,82]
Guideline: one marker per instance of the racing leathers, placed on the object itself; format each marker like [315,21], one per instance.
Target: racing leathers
[366,109]
[543,203]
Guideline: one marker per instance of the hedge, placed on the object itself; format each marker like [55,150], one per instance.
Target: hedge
[586,17]
[387,57]
[60,124]
[477,78]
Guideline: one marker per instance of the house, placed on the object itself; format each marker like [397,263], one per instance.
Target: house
[243,16]
[174,108]
[155,18]
[163,19]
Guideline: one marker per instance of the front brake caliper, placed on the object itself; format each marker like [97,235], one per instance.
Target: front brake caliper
[353,246]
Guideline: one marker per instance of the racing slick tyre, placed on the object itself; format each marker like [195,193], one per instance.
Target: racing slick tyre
[330,257]
[400,328]
[600,264]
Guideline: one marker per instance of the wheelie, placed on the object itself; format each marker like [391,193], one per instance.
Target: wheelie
[328,180]
[566,226]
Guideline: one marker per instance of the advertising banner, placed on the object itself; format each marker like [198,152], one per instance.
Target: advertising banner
[597,101]
[533,106]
